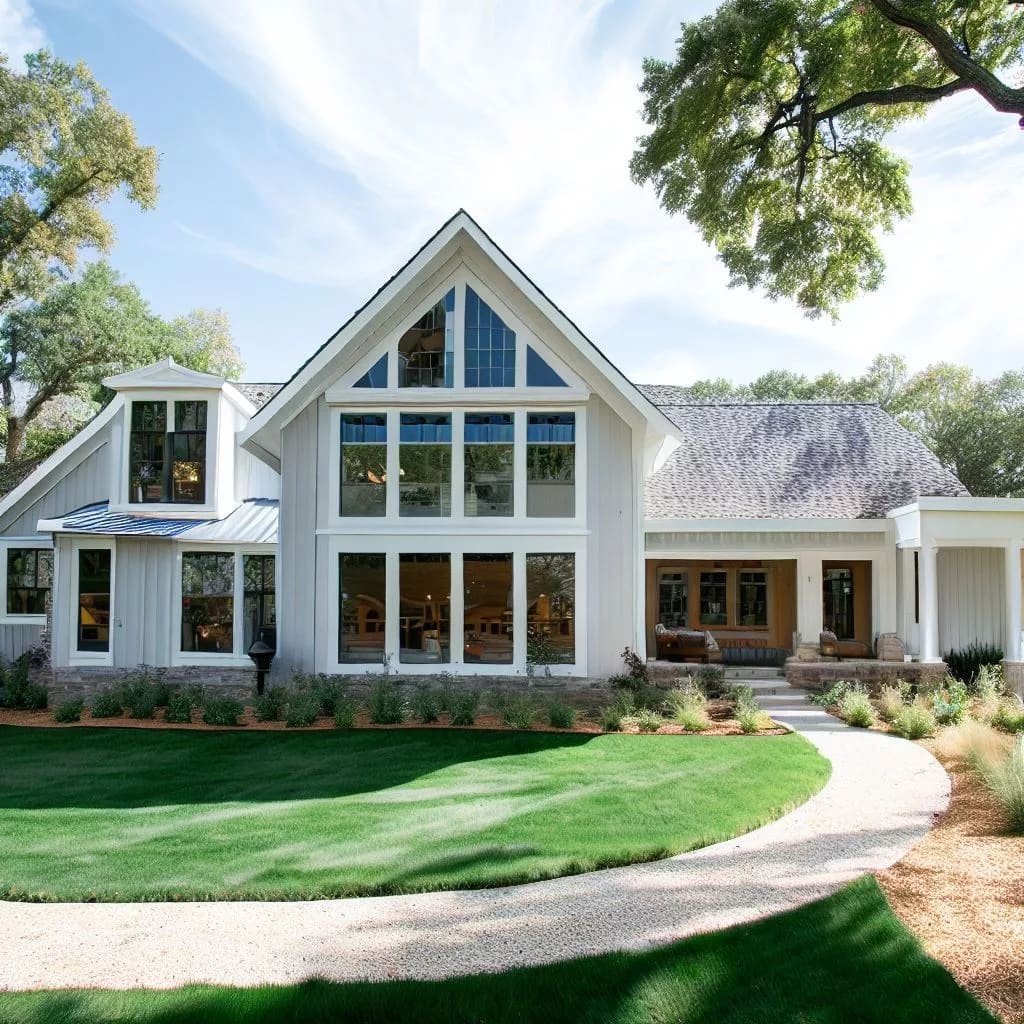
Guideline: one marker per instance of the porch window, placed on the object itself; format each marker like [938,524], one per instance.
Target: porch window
[489,464]
[208,602]
[364,461]
[425,458]
[490,346]
[673,599]
[753,598]
[424,608]
[551,609]
[362,581]
[488,620]
[259,600]
[93,632]
[167,465]
[29,579]
[551,464]
[426,352]
[714,609]
[838,602]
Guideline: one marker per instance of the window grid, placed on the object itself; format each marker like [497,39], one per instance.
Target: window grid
[29,579]
[489,346]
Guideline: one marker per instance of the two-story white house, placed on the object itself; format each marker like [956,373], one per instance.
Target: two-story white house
[458,480]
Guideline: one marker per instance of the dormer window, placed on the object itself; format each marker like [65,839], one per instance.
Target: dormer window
[167,454]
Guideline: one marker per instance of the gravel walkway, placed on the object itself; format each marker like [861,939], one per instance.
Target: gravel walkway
[883,796]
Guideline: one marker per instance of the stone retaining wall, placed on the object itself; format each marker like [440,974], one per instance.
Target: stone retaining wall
[820,675]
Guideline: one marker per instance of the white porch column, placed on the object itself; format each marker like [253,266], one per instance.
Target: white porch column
[928,602]
[1012,645]
[908,624]
[809,599]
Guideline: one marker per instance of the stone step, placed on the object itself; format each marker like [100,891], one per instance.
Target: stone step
[752,672]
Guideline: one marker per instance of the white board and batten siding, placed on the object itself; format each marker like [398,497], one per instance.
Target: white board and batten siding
[144,586]
[972,597]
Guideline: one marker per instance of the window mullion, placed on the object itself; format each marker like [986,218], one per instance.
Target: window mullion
[239,599]
[519,462]
[458,463]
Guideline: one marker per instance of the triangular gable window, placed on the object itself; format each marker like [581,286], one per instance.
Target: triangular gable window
[539,374]
[490,347]
[426,352]
[376,376]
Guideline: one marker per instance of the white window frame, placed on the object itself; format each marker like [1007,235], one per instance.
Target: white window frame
[391,546]
[75,656]
[237,657]
[20,544]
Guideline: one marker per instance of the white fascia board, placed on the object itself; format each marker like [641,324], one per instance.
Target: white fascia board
[238,400]
[766,525]
[64,457]
[970,504]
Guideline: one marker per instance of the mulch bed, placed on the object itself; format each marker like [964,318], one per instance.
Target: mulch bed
[961,891]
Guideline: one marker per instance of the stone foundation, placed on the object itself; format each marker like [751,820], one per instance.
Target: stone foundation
[820,675]
[85,681]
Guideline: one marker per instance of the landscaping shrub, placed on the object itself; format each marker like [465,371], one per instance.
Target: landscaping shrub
[69,711]
[179,707]
[465,704]
[386,704]
[636,676]
[749,717]
[301,710]
[831,697]
[271,705]
[645,720]
[345,709]
[561,715]
[950,703]
[891,700]
[688,706]
[327,690]
[914,721]
[426,705]
[856,709]
[965,664]
[989,690]
[221,711]
[107,704]
[740,694]
[610,718]
[1009,716]
[446,691]
[1004,777]
[711,679]
[692,719]
[18,691]
[519,713]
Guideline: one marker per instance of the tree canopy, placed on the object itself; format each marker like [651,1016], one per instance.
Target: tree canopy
[768,129]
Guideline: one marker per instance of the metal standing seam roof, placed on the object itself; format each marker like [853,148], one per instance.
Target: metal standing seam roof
[253,522]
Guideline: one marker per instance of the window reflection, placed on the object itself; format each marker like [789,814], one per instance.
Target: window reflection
[424,582]
[425,461]
[426,352]
[488,625]
[551,608]
[489,461]
[362,602]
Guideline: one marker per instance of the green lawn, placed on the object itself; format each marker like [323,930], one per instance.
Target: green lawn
[844,959]
[116,814]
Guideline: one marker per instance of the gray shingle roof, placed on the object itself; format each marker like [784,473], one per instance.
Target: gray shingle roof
[258,394]
[789,460]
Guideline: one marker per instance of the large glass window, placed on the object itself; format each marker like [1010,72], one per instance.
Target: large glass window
[208,602]
[551,464]
[362,602]
[94,599]
[259,601]
[146,451]
[551,609]
[673,599]
[490,346]
[424,583]
[425,458]
[167,465]
[487,622]
[29,578]
[752,587]
[713,599]
[838,602]
[489,464]
[426,352]
[364,461]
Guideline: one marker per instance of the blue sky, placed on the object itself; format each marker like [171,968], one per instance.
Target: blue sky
[308,148]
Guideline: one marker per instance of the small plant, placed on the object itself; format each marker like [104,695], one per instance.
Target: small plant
[635,665]
[951,702]
[386,704]
[645,720]
[69,711]
[540,653]
[465,705]
[692,719]
[965,664]
[711,679]
[1009,716]
[221,711]
[107,704]
[610,718]
[989,690]
[446,691]
[179,707]
[140,701]
[301,710]
[687,696]
[519,713]
[270,706]
[18,691]
[891,700]
[749,718]
[328,690]
[1004,777]
[561,715]
[426,705]
[914,721]
[831,697]
[856,709]
[345,709]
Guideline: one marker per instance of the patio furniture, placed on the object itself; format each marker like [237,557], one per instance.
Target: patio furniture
[830,646]
[683,644]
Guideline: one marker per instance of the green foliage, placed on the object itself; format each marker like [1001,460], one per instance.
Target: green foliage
[890,701]
[749,717]
[711,679]
[326,690]
[446,690]
[688,705]
[856,708]
[742,697]
[107,704]
[270,706]
[387,706]
[645,720]
[914,722]
[519,712]
[540,651]
[767,130]
[692,719]
[69,711]
[1009,716]
[610,718]
[464,706]
[831,697]
[966,663]
[561,715]
[345,710]
[179,707]
[426,705]
[636,674]
[951,702]
[221,711]
[143,694]
[301,710]
[1004,778]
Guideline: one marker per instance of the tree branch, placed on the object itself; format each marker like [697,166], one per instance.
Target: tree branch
[895,96]
[996,93]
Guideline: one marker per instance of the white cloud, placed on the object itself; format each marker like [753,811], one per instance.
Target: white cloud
[20,32]
[526,114]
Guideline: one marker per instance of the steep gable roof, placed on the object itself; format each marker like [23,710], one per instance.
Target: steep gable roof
[789,460]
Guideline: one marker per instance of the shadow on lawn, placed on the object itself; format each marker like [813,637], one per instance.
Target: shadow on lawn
[106,768]
[842,959]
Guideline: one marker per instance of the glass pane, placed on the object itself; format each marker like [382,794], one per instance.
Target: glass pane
[364,460]
[29,574]
[207,602]
[551,464]
[489,464]
[488,626]
[146,452]
[426,350]
[673,599]
[94,599]
[424,583]
[539,374]
[551,609]
[362,601]
[490,346]
[376,376]
[150,416]
[190,416]
[838,602]
[713,599]
[753,598]
[425,460]
[258,613]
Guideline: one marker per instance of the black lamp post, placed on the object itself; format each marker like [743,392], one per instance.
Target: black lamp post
[262,655]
